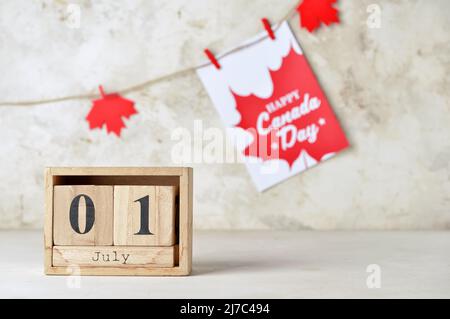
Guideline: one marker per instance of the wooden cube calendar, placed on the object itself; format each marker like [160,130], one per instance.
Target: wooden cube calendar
[118,221]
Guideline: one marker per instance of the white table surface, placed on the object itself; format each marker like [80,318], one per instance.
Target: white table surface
[254,264]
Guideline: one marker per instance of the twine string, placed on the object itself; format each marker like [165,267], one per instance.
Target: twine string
[137,87]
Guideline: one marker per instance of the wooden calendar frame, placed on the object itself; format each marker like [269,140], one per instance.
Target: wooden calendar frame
[179,176]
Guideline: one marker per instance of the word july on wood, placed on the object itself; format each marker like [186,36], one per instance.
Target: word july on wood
[113,257]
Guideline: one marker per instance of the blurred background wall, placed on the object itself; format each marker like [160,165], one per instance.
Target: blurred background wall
[389,86]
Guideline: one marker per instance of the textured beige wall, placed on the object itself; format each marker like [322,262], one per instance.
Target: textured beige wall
[389,87]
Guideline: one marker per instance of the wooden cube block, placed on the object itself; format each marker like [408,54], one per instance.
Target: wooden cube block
[83,215]
[144,215]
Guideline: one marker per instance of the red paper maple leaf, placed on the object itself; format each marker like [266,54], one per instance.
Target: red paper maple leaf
[294,75]
[314,12]
[110,110]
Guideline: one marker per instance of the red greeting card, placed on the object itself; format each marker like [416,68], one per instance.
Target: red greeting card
[281,120]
